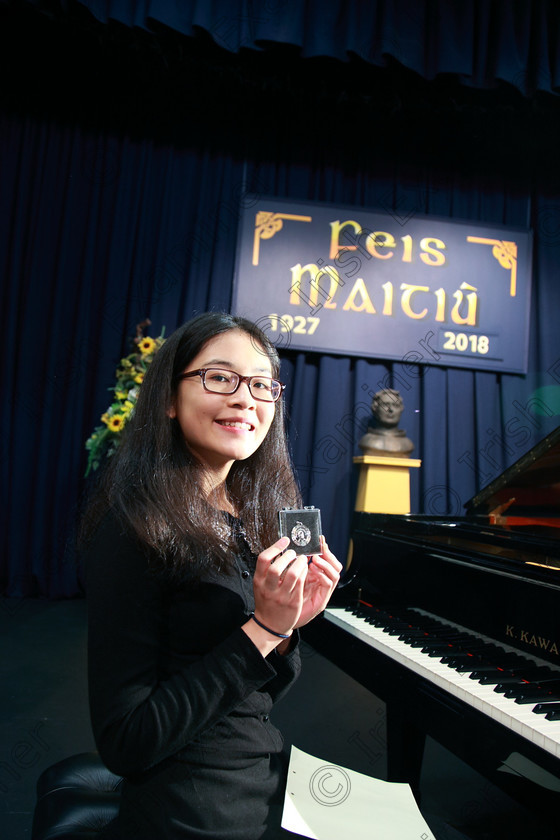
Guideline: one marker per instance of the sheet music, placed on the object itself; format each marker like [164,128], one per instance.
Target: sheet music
[324,801]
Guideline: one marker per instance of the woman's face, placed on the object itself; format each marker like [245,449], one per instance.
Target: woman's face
[222,428]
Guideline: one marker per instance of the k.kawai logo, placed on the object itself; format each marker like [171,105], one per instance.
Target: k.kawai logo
[532,639]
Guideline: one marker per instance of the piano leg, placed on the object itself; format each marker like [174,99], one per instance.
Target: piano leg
[405,748]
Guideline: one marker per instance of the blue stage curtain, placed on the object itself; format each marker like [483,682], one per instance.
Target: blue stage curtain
[106,231]
[106,224]
[479,41]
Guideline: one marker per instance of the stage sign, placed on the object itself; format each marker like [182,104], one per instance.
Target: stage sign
[420,290]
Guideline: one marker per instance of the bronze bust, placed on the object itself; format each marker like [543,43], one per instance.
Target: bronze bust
[386,439]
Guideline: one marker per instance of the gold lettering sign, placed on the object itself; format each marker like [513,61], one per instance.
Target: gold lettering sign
[268,224]
[374,284]
[533,640]
[506,254]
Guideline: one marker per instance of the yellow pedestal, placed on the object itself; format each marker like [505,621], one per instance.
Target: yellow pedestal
[384,484]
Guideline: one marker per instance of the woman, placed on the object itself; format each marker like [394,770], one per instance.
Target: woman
[193,602]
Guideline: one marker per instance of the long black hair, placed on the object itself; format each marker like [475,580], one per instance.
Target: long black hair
[154,484]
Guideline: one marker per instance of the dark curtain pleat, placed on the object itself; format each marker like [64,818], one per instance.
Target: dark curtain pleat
[480,42]
[105,231]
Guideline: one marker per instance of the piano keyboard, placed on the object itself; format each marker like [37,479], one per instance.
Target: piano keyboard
[520,718]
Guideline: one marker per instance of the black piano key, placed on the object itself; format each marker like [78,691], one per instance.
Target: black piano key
[509,673]
[464,667]
[508,682]
[491,653]
[458,656]
[475,650]
[376,620]
[535,697]
[519,679]
[434,653]
[444,633]
[495,677]
[514,691]
[458,643]
[549,687]
[542,708]
[458,663]
[553,715]
[414,641]
[458,639]
[536,673]
[485,668]
[364,616]
[396,629]
[513,665]
[434,647]
[468,655]
[443,637]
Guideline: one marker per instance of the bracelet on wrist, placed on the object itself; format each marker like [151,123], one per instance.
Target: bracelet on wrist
[268,630]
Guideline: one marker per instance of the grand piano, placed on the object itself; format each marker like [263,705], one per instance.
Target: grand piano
[455,623]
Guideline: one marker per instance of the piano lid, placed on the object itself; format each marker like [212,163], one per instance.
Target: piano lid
[530,487]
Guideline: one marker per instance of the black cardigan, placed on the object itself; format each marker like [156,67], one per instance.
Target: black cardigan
[171,674]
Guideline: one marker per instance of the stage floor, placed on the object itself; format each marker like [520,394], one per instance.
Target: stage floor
[44,717]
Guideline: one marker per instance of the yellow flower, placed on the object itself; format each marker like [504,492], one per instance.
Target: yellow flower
[147,346]
[129,378]
[116,422]
[127,407]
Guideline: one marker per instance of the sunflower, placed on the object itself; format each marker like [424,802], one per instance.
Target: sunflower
[116,422]
[129,375]
[147,346]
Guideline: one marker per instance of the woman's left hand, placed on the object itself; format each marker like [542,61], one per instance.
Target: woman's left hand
[323,574]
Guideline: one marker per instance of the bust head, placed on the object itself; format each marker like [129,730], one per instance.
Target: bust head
[387,407]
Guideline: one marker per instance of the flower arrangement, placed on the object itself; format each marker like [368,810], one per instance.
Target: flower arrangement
[105,439]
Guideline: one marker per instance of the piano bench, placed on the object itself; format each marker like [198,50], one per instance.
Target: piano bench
[76,798]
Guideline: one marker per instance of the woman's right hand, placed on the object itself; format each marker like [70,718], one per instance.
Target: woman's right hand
[278,586]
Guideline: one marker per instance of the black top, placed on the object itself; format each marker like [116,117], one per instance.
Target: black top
[173,680]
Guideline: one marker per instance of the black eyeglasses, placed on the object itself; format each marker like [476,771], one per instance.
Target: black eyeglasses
[219,381]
